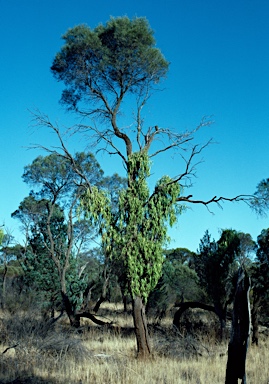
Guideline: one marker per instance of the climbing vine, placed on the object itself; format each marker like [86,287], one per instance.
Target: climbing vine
[137,233]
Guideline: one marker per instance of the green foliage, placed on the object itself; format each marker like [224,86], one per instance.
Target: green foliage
[12,271]
[2,233]
[118,57]
[216,264]
[138,232]
[54,177]
[40,271]
[57,257]
[260,268]
[179,276]
[178,283]
[54,236]
[260,202]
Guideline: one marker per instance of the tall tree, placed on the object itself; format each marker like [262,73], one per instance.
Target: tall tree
[102,68]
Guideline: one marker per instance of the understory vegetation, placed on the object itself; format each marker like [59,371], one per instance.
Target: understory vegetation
[55,353]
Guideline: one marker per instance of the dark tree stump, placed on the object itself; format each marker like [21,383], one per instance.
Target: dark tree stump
[237,350]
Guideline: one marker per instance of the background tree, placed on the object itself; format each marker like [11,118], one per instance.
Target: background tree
[216,265]
[260,283]
[260,202]
[40,272]
[101,69]
[259,269]
[6,255]
[179,282]
[54,236]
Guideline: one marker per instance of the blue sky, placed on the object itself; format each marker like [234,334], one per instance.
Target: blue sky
[219,55]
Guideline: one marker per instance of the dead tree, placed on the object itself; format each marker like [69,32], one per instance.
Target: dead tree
[237,350]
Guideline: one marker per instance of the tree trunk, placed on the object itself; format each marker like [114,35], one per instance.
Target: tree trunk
[124,300]
[74,320]
[141,328]
[103,296]
[98,303]
[221,312]
[237,350]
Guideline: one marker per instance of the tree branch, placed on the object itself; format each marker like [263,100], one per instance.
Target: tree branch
[188,199]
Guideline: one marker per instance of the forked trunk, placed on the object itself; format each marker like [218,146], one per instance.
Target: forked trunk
[103,296]
[74,320]
[141,328]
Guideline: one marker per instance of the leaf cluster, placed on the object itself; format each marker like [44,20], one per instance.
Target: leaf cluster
[216,263]
[137,233]
[115,58]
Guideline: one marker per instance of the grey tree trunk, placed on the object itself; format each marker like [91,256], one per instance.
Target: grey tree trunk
[237,350]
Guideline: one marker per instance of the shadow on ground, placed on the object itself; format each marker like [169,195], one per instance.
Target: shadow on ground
[10,373]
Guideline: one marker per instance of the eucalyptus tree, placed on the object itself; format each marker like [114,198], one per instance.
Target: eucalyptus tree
[40,272]
[54,235]
[105,70]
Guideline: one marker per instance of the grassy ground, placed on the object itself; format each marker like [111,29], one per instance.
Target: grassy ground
[107,355]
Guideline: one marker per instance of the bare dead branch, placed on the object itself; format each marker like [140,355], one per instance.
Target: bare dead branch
[106,137]
[43,120]
[190,168]
[176,140]
[217,200]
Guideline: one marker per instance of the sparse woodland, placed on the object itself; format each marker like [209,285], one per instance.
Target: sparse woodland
[94,293]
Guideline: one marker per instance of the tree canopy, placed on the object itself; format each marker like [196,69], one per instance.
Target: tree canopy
[111,60]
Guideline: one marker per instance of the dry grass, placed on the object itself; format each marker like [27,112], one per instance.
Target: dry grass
[107,355]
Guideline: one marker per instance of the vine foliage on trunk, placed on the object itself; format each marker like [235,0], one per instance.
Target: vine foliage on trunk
[135,235]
